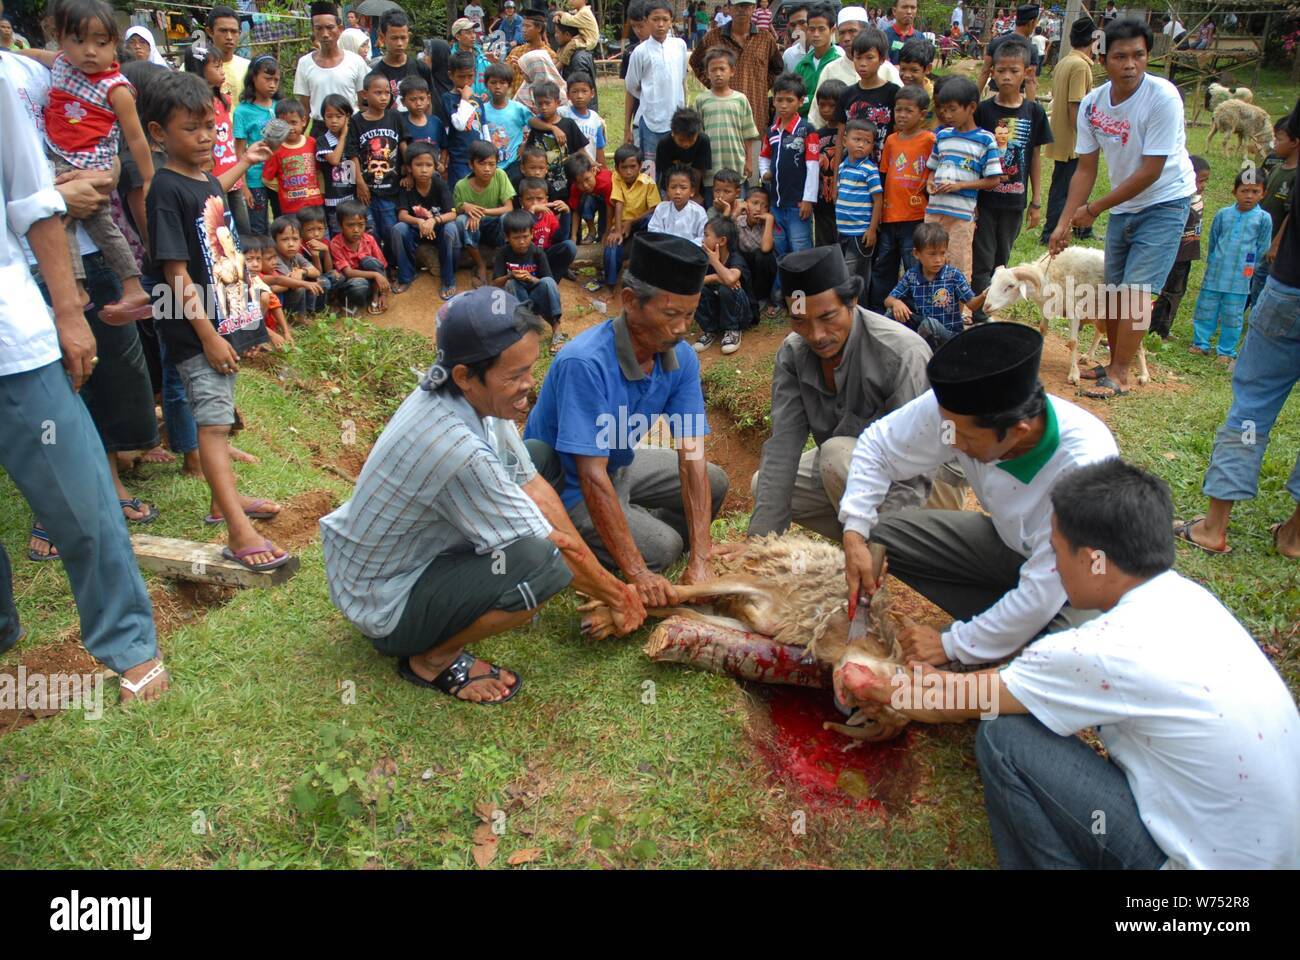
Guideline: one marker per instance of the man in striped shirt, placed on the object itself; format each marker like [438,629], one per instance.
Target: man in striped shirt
[451,536]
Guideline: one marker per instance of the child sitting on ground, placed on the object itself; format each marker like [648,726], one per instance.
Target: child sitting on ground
[726,194]
[931,294]
[521,268]
[678,215]
[315,247]
[91,109]
[725,307]
[756,229]
[295,278]
[1171,296]
[590,189]
[857,212]
[633,198]
[1240,235]
[560,250]
[686,146]
[276,328]
[482,199]
[426,217]
[358,257]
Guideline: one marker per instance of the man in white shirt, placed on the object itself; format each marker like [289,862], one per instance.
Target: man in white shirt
[51,449]
[1202,735]
[797,30]
[329,68]
[656,76]
[958,16]
[1137,119]
[987,412]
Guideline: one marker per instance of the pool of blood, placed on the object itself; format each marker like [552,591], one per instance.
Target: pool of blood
[869,776]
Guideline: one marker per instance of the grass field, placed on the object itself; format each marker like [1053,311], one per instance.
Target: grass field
[603,759]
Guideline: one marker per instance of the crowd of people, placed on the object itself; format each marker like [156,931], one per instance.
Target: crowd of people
[824,174]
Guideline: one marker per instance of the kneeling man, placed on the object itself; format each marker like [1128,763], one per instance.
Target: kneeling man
[1202,734]
[987,411]
[450,535]
[841,369]
[636,507]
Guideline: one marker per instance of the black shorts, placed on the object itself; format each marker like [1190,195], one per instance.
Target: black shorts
[458,588]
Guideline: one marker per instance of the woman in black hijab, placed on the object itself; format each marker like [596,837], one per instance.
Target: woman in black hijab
[437,58]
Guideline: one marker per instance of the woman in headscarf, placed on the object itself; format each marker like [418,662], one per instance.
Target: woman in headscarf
[356,41]
[140,45]
[437,57]
[538,65]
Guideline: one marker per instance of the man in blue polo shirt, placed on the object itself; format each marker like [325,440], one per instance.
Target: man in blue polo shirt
[638,508]
[902,29]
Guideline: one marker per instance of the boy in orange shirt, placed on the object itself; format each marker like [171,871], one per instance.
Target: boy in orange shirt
[902,167]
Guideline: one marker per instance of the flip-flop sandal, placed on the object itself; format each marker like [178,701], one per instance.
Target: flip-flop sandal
[1183,531]
[1276,531]
[135,504]
[448,292]
[40,534]
[456,678]
[401,287]
[134,688]
[1096,373]
[250,511]
[374,309]
[240,557]
[1105,384]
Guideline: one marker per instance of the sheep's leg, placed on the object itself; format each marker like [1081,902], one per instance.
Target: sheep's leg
[598,620]
[1209,139]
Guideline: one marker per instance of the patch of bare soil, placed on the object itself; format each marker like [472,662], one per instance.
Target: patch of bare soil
[738,453]
[296,525]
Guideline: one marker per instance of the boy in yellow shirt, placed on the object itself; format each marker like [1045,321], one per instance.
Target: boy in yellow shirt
[588,30]
[633,198]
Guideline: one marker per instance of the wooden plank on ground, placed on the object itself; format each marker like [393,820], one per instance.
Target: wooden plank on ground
[201,562]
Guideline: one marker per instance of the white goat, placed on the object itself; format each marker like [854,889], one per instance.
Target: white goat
[1247,121]
[1070,286]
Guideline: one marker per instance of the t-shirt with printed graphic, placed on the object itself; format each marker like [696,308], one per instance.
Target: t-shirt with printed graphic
[340,181]
[190,223]
[876,105]
[533,262]
[557,181]
[504,128]
[826,186]
[545,226]
[902,168]
[223,146]
[961,157]
[434,202]
[395,76]
[1018,131]
[294,168]
[374,145]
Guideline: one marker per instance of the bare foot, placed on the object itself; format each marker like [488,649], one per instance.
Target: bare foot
[191,466]
[240,455]
[1286,539]
[157,686]
[237,544]
[126,462]
[158,454]
[428,667]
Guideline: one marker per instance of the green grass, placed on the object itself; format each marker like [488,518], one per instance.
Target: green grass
[205,777]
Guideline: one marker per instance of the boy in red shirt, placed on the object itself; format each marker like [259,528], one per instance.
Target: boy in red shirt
[357,256]
[292,168]
[589,191]
[560,252]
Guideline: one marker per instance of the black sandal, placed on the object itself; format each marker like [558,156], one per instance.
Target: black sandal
[456,677]
[1105,384]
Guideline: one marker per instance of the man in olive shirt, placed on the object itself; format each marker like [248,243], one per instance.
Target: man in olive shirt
[841,369]
[1071,81]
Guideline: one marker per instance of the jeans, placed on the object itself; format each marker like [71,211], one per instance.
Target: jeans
[1139,251]
[795,233]
[1266,372]
[182,432]
[457,170]
[893,246]
[591,207]
[1224,311]
[301,302]
[68,487]
[722,309]
[1044,794]
[647,140]
[858,259]
[560,257]
[616,252]
[406,241]
[544,295]
[384,211]
[356,292]
[258,221]
[489,231]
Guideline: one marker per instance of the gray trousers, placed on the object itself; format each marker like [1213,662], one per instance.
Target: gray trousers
[649,490]
[955,559]
[1047,796]
[101,228]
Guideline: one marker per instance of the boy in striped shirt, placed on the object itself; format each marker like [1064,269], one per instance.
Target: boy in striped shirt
[856,219]
[728,119]
[965,161]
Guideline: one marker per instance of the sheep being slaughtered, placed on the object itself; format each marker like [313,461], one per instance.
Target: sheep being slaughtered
[1071,286]
[788,590]
[1250,123]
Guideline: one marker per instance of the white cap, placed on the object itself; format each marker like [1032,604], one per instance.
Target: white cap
[851,14]
[463,23]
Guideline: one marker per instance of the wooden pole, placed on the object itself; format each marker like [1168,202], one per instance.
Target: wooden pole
[1073,10]
[1263,45]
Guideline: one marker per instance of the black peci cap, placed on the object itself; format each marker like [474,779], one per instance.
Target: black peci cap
[987,369]
[813,271]
[670,263]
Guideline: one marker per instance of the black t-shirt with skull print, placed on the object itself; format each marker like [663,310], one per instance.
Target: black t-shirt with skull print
[374,144]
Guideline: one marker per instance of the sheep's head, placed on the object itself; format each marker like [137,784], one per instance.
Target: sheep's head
[1004,290]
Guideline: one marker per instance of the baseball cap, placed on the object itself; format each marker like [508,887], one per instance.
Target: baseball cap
[473,326]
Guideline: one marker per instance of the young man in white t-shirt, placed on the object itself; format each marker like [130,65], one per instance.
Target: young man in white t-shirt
[1202,734]
[1136,118]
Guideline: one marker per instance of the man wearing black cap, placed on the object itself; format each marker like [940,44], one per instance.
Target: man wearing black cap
[841,369]
[637,507]
[451,536]
[1071,81]
[993,572]
[1026,21]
